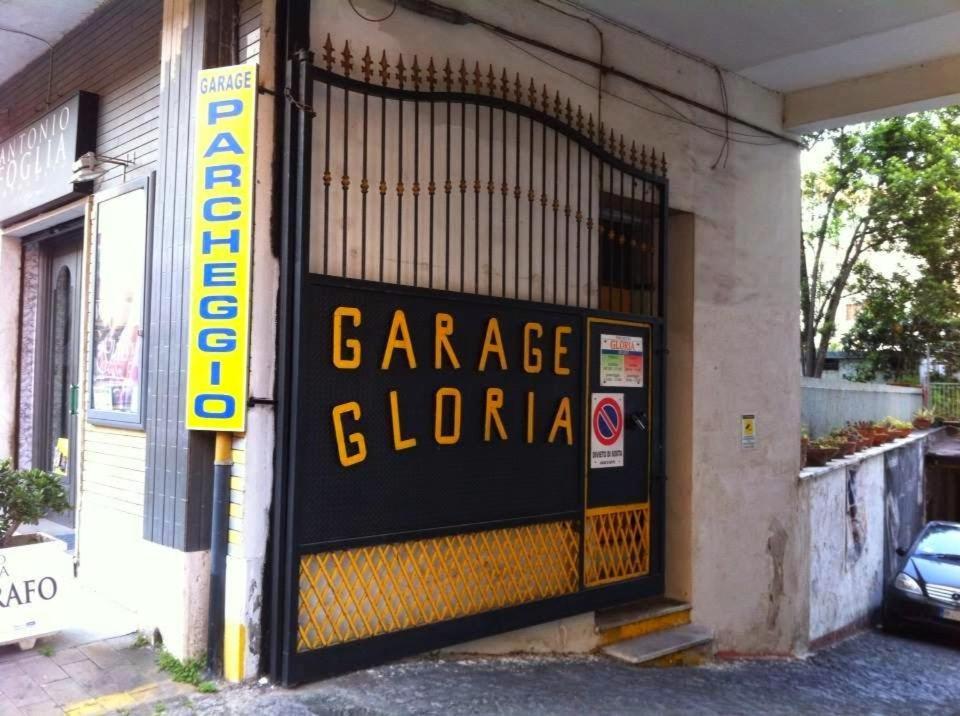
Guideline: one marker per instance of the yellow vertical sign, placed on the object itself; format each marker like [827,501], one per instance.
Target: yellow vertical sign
[221,248]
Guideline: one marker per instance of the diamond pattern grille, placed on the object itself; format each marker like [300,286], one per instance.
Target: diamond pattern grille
[359,593]
[616,544]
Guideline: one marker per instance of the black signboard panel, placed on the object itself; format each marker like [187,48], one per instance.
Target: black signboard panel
[392,486]
[36,161]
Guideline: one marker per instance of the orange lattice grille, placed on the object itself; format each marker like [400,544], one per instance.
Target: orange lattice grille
[358,593]
[616,544]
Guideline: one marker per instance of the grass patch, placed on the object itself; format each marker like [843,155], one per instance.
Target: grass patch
[46,650]
[207,687]
[186,672]
[141,641]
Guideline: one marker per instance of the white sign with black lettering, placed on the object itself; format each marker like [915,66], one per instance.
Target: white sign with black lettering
[621,361]
[35,579]
[606,430]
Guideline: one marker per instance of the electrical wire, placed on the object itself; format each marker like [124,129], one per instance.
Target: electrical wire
[636,31]
[675,115]
[599,32]
[49,47]
[396,4]
[430,7]
[725,147]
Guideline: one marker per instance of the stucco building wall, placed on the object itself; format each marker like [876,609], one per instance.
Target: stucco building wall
[734,551]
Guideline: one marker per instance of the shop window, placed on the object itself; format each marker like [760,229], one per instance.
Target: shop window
[118,353]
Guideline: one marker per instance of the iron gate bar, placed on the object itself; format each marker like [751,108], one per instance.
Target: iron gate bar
[611,158]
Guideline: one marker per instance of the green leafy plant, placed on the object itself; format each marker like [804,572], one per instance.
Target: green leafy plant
[26,496]
[189,671]
[894,423]
[46,650]
[140,641]
[924,414]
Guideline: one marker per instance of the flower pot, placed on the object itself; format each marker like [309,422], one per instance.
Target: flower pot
[922,423]
[849,447]
[36,574]
[818,457]
[880,437]
[864,443]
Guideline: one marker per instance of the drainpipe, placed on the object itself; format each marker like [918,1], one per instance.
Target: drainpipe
[223,462]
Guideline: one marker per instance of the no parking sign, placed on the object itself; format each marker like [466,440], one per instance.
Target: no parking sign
[606,430]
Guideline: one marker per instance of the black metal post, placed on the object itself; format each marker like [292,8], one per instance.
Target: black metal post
[218,552]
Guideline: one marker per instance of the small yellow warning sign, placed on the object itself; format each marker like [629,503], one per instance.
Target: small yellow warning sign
[748,431]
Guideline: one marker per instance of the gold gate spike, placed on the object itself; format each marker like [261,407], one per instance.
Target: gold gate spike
[366,65]
[328,51]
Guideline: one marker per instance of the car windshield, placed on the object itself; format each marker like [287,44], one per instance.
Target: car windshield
[942,540]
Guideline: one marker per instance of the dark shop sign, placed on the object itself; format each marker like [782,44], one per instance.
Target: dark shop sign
[36,162]
[422,411]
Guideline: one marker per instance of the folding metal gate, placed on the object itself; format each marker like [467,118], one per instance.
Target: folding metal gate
[470,430]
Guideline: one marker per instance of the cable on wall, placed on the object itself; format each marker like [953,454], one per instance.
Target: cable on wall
[396,4]
[438,11]
[50,61]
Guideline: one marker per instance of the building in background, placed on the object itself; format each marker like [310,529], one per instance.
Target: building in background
[430,162]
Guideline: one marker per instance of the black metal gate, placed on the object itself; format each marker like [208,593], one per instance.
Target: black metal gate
[470,428]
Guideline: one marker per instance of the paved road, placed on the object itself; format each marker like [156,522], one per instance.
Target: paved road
[872,673]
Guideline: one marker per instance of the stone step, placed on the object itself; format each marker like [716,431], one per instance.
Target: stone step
[652,647]
[638,618]
[640,611]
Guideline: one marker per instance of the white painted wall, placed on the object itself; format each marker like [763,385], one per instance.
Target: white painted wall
[846,555]
[744,554]
[845,568]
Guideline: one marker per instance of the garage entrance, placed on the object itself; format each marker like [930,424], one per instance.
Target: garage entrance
[470,431]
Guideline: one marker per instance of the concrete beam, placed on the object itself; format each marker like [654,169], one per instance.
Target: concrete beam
[927,85]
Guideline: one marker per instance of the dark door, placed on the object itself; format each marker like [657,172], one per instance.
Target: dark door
[58,366]
[619,511]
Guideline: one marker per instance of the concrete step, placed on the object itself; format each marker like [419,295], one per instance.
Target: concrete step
[658,648]
[638,618]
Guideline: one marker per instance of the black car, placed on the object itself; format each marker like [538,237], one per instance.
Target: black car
[926,590]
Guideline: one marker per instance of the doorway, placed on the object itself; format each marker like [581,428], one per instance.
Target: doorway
[56,389]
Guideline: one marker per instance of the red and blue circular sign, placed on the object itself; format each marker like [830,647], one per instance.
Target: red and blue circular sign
[607,421]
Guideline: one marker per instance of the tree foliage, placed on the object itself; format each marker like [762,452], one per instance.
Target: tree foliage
[890,184]
[899,320]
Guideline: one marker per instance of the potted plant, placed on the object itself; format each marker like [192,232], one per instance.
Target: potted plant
[804,443]
[841,437]
[821,451]
[880,433]
[35,569]
[923,419]
[897,428]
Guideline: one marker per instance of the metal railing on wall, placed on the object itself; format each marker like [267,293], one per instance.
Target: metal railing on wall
[944,400]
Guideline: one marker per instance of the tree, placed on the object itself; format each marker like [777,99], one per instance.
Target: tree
[890,184]
[899,320]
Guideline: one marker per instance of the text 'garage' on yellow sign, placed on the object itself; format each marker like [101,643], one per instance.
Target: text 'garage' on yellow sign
[220,260]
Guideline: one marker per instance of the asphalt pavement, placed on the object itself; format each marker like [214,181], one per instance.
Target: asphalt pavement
[872,673]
